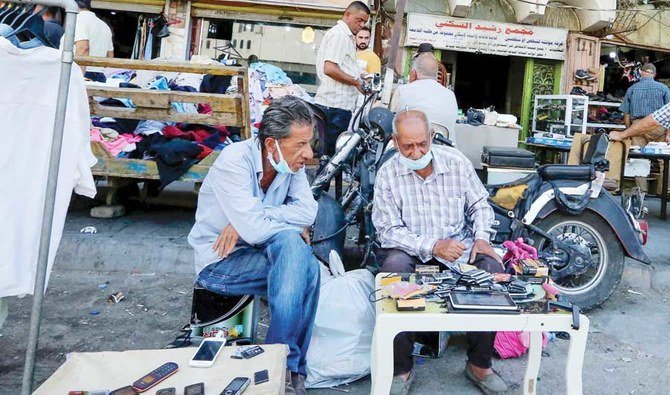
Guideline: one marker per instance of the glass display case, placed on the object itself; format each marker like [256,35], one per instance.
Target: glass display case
[559,116]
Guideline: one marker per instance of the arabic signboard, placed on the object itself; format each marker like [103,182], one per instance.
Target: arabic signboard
[487,37]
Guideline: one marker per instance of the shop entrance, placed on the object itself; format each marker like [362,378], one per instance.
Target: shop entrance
[481,80]
[129,30]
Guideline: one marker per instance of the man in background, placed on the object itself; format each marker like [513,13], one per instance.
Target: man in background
[92,37]
[368,61]
[338,72]
[643,98]
[425,94]
[53,24]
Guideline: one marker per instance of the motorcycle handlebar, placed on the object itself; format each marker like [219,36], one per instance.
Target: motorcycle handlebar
[443,140]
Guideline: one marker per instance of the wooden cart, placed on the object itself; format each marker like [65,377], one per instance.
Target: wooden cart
[227,109]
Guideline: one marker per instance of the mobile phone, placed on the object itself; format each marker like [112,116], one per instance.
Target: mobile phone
[127,390]
[195,389]
[155,376]
[237,386]
[167,391]
[261,377]
[207,352]
[252,352]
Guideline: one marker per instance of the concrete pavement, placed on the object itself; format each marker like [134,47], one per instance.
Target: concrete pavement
[145,255]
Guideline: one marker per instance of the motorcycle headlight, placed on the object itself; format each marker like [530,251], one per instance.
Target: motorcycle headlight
[342,140]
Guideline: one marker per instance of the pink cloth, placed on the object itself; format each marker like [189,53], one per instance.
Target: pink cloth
[515,344]
[117,146]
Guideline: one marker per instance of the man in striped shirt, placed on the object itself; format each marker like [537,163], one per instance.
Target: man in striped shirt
[643,98]
[430,207]
[338,72]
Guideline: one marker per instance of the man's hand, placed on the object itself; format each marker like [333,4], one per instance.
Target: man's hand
[618,136]
[226,241]
[449,249]
[483,247]
[305,236]
[359,85]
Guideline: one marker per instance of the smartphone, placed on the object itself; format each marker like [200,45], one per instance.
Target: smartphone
[207,352]
[195,389]
[237,386]
[167,391]
[261,377]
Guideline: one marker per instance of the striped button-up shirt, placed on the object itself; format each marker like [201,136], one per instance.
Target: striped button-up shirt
[645,97]
[412,214]
[662,116]
[338,46]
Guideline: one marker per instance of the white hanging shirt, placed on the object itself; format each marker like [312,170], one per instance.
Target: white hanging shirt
[29,81]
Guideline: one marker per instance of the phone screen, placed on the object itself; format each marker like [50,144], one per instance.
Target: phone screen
[208,350]
[237,384]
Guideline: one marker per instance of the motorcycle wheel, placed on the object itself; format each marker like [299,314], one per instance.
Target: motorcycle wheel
[590,231]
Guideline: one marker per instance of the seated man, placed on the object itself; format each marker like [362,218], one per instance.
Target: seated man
[429,206]
[252,208]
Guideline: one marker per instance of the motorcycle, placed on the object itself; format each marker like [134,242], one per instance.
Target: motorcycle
[579,229]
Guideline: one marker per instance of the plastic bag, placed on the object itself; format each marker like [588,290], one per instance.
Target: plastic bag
[339,351]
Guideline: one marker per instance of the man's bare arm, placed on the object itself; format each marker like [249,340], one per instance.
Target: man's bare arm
[81,48]
[334,71]
[641,127]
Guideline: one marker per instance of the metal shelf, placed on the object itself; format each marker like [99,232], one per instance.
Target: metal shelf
[604,104]
[605,125]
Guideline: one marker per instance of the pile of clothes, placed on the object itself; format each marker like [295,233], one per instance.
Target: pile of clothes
[268,82]
[174,146]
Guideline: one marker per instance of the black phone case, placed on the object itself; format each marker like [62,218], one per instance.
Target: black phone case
[261,377]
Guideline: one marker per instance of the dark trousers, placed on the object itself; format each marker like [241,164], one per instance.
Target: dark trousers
[480,344]
[337,122]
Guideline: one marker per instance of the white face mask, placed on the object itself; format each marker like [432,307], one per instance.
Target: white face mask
[281,167]
[417,164]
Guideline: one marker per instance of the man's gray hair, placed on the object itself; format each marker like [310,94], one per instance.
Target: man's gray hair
[281,115]
[425,65]
[406,115]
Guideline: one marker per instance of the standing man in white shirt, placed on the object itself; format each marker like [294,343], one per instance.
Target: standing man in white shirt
[338,72]
[92,37]
[425,94]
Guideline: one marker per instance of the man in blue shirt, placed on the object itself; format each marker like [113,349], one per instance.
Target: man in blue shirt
[642,99]
[249,236]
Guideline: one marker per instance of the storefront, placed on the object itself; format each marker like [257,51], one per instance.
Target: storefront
[131,23]
[285,36]
[492,63]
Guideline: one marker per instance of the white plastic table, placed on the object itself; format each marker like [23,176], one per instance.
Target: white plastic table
[390,322]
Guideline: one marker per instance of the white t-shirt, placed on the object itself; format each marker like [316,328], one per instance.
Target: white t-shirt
[99,35]
[437,102]
[26,126]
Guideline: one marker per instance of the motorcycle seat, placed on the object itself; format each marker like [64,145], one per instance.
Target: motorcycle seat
[509,195]
[567,172]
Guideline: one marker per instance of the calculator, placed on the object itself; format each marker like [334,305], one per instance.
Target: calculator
[156,376]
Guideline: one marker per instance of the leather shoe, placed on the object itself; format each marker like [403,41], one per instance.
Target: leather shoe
[492,384]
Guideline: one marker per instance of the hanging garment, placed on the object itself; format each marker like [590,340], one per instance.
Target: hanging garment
[26,127]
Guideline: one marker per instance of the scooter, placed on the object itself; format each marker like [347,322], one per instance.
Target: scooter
[578,228]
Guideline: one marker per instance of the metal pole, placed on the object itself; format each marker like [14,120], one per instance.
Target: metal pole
[393,52]
[52,182]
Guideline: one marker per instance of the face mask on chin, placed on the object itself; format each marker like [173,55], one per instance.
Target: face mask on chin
[281,167]
[417,164]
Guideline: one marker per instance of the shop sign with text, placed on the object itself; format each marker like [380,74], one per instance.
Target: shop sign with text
[469,35]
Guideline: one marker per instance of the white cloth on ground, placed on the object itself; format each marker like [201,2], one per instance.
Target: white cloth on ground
[26,123]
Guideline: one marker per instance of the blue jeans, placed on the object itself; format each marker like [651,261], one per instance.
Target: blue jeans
[338,122]
[286,270]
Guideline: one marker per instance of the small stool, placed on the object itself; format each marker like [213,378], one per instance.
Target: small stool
[209,308]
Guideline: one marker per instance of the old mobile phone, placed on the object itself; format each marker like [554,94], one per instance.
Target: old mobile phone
[167,391]
[237,386]
[155,376]
[127,390]
[261,377]
[252,352]
[195,389]
[207,352]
